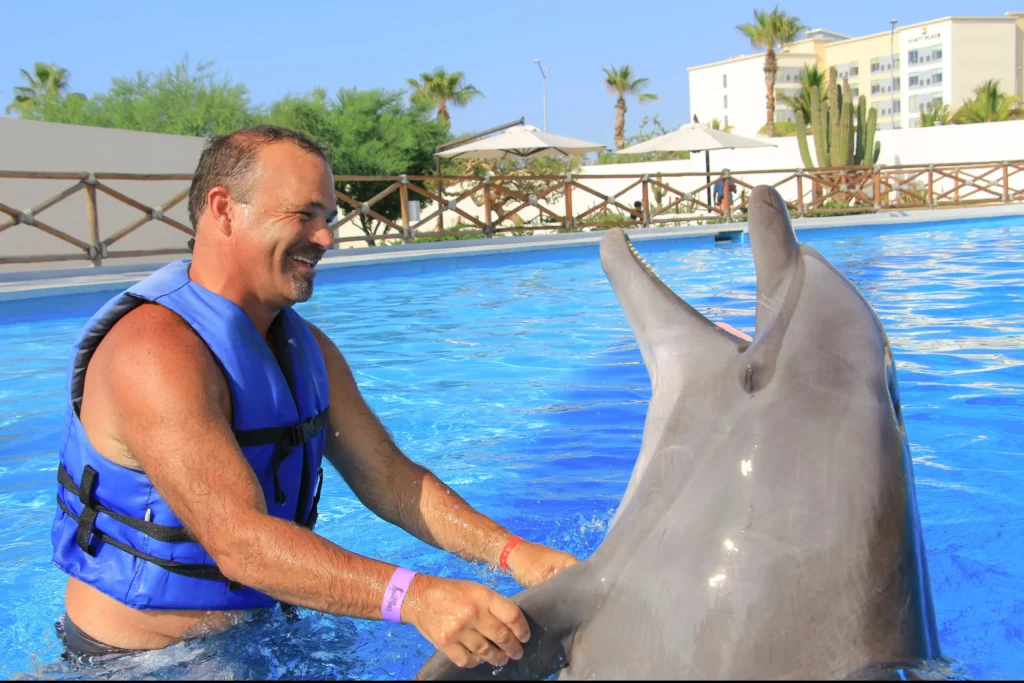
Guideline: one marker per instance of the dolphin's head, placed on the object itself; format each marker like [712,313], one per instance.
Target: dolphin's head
[672,336]
[812,325]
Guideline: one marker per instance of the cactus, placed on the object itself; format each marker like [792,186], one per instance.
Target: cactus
[838,140]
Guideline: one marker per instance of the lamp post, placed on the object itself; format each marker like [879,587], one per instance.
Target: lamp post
[544,75]
[892,73]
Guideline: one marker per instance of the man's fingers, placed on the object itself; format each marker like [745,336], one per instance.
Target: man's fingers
[479,646]
[508,613]
[499,634]
[732,330]
[460,656]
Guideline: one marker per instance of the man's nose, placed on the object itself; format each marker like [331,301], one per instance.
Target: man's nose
[323,236]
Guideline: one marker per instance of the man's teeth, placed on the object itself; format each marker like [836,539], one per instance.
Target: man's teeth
[305,260]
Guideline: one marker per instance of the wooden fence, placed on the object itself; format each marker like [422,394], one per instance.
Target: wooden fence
[489,206]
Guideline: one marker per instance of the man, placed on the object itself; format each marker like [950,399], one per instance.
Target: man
[718,191]
[200,408]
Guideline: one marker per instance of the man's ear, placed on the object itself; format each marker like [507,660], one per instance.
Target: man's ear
[218,208]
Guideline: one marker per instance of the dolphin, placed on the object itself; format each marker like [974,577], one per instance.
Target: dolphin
[770,527]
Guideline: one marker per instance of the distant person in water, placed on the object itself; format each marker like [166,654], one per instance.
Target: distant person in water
[202,407]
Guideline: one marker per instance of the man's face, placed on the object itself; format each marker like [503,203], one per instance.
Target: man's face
[283,228]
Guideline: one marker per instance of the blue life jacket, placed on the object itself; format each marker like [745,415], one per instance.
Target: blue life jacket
[114,531]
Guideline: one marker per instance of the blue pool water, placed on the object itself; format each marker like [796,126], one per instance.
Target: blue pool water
[517,381]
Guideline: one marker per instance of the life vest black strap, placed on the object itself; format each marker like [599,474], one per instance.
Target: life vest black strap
[294,435]
[195,571]
[313,511]
[86,523]
[284,440]
[159,532]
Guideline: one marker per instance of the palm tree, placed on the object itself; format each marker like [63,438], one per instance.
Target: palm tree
[620,82]
[770,30]
[936,114]
[990,104]
[440,88]
[810,76]
[46,85]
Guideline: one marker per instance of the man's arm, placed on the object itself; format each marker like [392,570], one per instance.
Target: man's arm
[407,494]
[170,394]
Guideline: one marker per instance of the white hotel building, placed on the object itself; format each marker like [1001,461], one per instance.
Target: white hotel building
[898,70]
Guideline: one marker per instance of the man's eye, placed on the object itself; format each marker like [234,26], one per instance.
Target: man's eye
[306,215]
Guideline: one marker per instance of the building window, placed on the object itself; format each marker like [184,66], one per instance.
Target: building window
[936,54]
[925,79]
[725,80]
[881,86]
[726,121]
[725,101]
[854,69]
[897,109]
[912,57]
[918,101]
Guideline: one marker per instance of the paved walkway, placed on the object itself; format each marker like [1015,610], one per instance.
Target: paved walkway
[45,283]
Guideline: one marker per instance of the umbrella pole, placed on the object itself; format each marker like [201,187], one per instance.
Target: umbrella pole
[707,167]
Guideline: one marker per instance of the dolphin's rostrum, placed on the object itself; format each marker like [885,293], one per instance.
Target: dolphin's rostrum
[770,528]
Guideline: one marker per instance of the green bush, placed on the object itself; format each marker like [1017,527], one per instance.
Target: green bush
[451,234]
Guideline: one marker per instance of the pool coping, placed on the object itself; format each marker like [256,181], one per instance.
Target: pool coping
[36,284]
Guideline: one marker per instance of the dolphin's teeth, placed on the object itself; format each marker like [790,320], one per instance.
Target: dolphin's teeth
[641,259]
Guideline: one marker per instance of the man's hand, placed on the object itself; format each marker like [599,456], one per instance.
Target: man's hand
[531,563]
[466,621]
[736,333]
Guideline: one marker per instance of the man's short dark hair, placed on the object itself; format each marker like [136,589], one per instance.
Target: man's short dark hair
[230,161]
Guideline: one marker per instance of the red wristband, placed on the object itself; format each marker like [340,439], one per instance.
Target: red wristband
[512,543]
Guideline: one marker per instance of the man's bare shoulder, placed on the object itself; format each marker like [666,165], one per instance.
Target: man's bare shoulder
[154,346]
[330,350]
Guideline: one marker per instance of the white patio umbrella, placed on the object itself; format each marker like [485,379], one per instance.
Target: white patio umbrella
[695,137]
[521,141]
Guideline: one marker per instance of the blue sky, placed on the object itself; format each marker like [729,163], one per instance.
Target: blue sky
[281,47]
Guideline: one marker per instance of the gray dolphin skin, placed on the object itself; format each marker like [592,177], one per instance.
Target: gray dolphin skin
[770,528]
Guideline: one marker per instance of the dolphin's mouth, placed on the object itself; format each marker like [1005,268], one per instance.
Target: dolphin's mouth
[640,259]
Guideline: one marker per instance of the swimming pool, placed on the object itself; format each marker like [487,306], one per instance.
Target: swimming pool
[516,379]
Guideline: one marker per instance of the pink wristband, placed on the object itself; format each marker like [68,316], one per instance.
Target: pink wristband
[394,596]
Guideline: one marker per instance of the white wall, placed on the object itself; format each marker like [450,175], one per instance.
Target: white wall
[986,142]
[55,147]
[980,142]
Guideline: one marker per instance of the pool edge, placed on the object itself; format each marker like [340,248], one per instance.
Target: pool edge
[42,284]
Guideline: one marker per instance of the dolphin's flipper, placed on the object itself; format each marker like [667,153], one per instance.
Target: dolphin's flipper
[554,610]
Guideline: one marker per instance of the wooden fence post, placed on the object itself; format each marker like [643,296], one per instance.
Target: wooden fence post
[488,226]
[403,193]
[1006,182]
[800,193]
[876,186]
[95,248]
[646,202]
[570,219]
[931,186]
